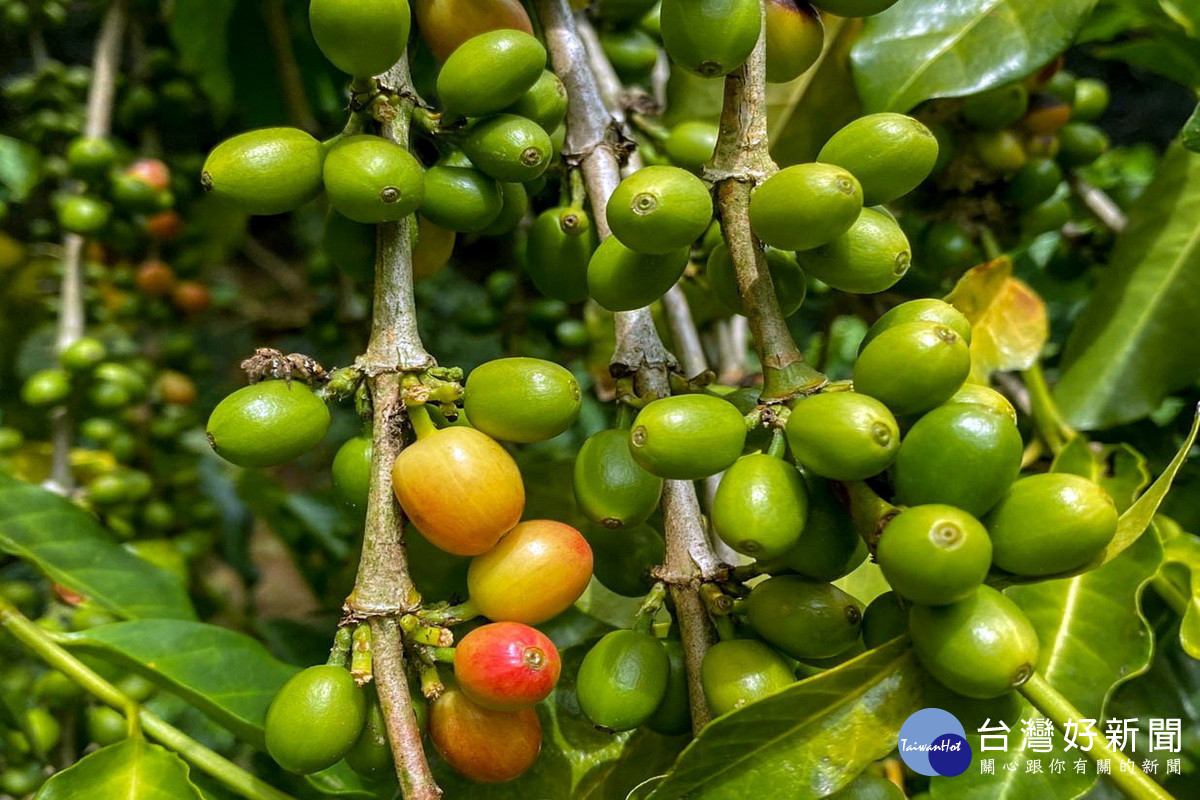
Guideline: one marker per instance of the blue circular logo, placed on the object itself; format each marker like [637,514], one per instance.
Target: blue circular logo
[933,742]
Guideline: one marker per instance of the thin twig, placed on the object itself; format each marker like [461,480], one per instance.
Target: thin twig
[383,590]
[71,316]
[1100,204]
[593,141]
[742,161]
[299,109]
[683,331]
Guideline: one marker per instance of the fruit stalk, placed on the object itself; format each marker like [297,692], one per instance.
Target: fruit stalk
[224,771]
[383,590]
[71,318]
[592,142]
[1125,773]
[741,161]
[1100,204]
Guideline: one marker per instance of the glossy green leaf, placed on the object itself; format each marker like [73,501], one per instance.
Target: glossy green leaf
[1119,468]
[1137,518]
[132,769]
[1191,131]
[1181,567]
[198,29]
[340,781]
[812,737]
[1138,339]
[921,49]
[18,169]
[73,549]
[1093,637]
[227,675]
[803,114]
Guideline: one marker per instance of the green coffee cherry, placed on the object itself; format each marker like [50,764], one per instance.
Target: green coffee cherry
[610,488]
[958,455]
[47,387]
[83,354]
[623,558]
[890,154]
[913,367]
[976,394]
[1051,523]
[560,245]
[268,423]
[658,210]
[845,436]
[805,206]
[691,144]
[829,547]
[361,37]
[1091,100]
[1034,183]
[267,171]
[803,618]
[740,671]
[460,198]
[996,108]
[545,102]
[352,472]
[489,72]
[934,554]
[514,207]
[687,437]
[622,680]
[324,702]
[795,37]
[509,148]
[925,309]
[788,279]
[883,620]
[710,39]
[621,279]
[673,715]
[371,180]
[521,399]
[632,53]
[1080,144]
[760,506]
[870,257]
[980,647]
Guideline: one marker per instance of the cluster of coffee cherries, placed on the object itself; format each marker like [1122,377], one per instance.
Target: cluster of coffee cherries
[499,108]
[1005,156]
[464,495]
[810,501]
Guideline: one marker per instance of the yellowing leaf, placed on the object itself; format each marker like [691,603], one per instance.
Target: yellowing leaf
[1009,325]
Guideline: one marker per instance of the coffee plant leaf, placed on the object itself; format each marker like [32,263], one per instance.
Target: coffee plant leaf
[19,169]
[814,736]
[1191,132]
[921,49]
[1138,338]
[227,675]
[1009,325]
[1119,468]
[340,781]
[132,769]
[1181,567]
[72,549]
[199,29]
